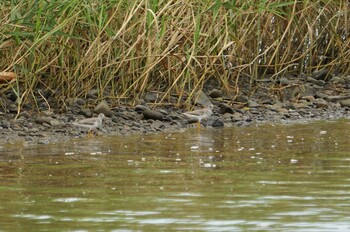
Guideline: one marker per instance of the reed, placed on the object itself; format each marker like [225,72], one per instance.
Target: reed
[126,48]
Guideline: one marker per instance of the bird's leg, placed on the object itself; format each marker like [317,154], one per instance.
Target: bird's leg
[198,125]
[90,134]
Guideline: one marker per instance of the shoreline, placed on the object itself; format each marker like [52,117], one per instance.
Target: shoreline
[282,101]
[127,121]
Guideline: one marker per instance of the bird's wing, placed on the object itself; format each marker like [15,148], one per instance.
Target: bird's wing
[89,121]
[196,112]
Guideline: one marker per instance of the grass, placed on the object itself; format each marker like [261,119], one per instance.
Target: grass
[124,49]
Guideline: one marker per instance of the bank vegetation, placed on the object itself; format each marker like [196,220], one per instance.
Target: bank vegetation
[123,48]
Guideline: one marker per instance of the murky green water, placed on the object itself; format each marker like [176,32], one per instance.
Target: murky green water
[264,178]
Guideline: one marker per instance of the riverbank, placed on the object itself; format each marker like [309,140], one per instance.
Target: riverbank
[284,100]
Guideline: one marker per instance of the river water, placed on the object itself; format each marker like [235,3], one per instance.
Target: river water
[258,178]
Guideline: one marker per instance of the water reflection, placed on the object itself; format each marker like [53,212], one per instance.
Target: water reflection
[269,177]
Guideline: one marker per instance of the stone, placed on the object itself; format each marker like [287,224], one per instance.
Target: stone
[225,108]
[274,107]
[237,117]
[44,119]
[336,98]
[345,103]
[150,97]
[55,122]
[309,98]
[86,112]
[215,122]
[92,94]
[103,108]
[284,81]
[157,125]
[153,114]
[253,104]
[315,81]
[75,102]
[215,93]
[307,90]
[300,105]
[335,80]
[320,74]
[320,103]
[141,108]
[12,108]
[164,112]
[290,94]
[282,110]
[24,114]
[201,99]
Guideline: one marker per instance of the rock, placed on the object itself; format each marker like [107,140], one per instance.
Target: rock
[335,80]
[157,125]
[307,90]
[215,122]
[201,99]
[225,108]
[345,103]
[237,117]
[309,98]
[215,93]
[320,103]
[92,94]
[141,108]
[150,97]
[44,119]
[321,95]
[275,107]
[55,122]
[336,98]
[75,102]
[103,107]
[5,124]
[300,105]
[282,110]
[290,94]
[164,112]
[315,81]
[24,114]
[44,141]
[284,81]
[253,104]
[12,108]
[86,112]
[11,96]
[320,74]
[153,114]
[241,98]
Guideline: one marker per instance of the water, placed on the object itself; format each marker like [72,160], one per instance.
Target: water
[261,178]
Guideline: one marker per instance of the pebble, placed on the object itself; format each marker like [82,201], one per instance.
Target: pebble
[43,119]
[86,112]
[225,108]
[215,122]
[253,104]
[150,97]
[141,108]
[153,114]
[75,102]
[103,107]
[345,103]
[320,74]
[215,93]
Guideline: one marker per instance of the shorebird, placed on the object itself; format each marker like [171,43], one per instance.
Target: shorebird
[90,123]
[199,115]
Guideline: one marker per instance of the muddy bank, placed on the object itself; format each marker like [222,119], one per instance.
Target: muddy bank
[282,100]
